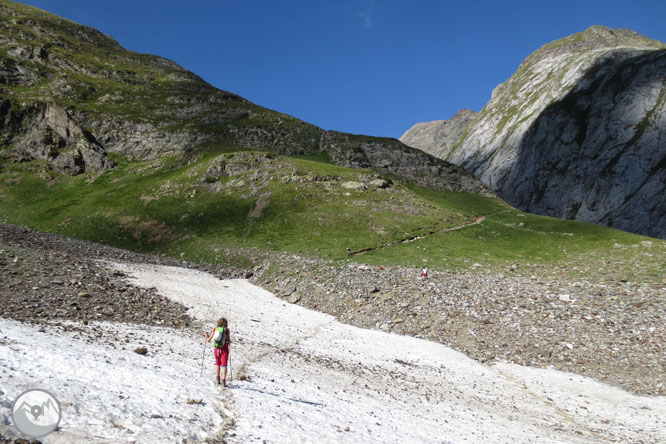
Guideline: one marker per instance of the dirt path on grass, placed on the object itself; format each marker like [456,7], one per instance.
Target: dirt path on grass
[409,239]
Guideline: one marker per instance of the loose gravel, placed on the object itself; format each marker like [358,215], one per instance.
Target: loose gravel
[45,277]
[611,331]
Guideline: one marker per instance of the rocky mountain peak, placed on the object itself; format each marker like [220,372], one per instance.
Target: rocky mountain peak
[603,36]
[576,132]
[594,40]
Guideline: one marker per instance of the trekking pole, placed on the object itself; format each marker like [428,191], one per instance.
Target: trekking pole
[203,356]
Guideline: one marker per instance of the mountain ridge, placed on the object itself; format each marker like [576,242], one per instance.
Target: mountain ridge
[493,144]
[144,106]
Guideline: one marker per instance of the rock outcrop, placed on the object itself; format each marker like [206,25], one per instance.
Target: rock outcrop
[440,136]
[390,156]
[54,136]
[579,132]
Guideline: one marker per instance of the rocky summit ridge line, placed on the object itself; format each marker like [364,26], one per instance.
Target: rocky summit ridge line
[578,132]
[71,96]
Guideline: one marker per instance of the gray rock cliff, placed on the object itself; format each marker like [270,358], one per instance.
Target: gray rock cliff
[440,136]
[579,132]
[605,160]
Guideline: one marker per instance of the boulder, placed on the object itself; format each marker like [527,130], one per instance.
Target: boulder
[379,183]
[355,186]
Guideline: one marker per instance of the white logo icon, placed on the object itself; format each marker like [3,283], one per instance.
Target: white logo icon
[36,413]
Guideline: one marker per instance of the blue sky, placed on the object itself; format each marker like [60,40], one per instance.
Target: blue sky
[362,66]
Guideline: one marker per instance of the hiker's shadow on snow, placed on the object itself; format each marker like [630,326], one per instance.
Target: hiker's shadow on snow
[286,398]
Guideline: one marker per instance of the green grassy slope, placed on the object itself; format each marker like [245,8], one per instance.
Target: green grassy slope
[265,202]
[56,74]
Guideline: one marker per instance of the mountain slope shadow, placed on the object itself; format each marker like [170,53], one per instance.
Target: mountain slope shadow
[599,154]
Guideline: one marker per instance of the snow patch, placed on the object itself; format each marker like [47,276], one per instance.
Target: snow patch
[301,376]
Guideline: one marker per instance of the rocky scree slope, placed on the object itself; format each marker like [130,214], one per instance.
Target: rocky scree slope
[596,326]
[71,96]
[578,132]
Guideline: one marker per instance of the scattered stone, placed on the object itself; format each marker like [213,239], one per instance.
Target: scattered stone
[379,183]
[355,186]
[141,351]
[526,316]
[81,288]
[294,298]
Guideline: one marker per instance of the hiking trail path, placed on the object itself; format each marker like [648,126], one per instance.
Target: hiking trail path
[425,235]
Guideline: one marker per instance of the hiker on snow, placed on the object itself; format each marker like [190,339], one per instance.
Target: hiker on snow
[221,339]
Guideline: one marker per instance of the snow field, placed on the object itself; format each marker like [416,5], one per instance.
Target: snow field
[372,386]
[305,378]
[109,394]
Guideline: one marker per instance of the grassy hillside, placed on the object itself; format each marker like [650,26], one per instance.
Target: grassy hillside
[218,207]
[205,175]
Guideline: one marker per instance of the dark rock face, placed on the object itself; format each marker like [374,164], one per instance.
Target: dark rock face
[392,157]
[55,137]
[578,132]
[606,156]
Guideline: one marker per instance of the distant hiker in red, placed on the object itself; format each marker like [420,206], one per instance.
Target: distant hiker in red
[221,339]
[425,273]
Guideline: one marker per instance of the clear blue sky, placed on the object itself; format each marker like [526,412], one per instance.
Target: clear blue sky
[362,66]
